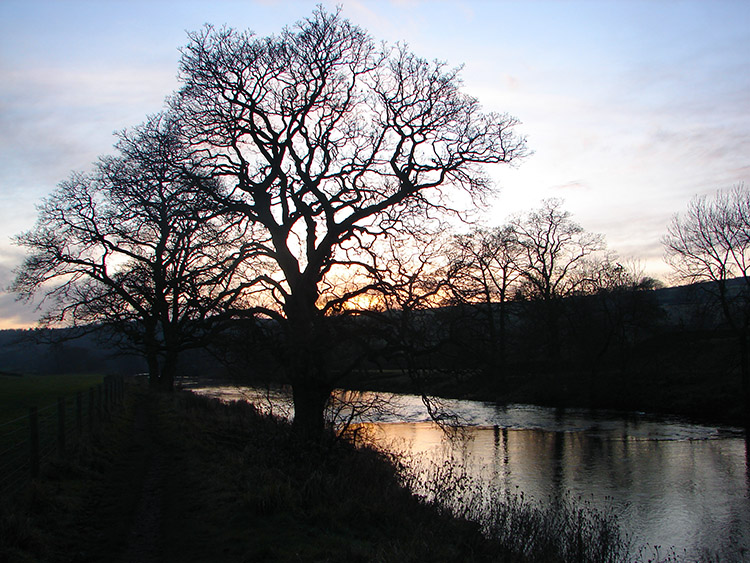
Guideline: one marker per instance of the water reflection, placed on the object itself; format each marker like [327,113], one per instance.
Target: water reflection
[690,494]
[670,482]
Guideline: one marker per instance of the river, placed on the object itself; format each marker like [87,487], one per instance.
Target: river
[671,483]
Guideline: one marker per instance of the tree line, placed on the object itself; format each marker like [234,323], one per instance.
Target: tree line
[300,186]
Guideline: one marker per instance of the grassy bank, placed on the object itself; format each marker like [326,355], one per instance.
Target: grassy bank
[186,478]
[182,478]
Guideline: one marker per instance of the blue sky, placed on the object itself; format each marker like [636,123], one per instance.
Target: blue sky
[631,108]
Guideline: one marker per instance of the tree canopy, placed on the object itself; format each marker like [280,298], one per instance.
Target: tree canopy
[283,168]
[328,143]
[710,242]
[137,246]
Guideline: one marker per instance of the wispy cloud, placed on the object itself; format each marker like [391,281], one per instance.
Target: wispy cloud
[13,313]
[631,108]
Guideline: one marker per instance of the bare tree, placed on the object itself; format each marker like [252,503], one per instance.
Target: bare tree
[554,249]
[710,242]
[136,246]
[410,297]
[330,143]
[611,310]
[485,266]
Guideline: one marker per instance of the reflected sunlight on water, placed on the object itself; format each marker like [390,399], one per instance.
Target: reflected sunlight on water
[669,481]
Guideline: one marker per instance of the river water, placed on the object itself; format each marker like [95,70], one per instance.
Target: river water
[670,483]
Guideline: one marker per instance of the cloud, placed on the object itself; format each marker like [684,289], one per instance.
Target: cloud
[13,313]
[16,314]
[57,120]
[574,186]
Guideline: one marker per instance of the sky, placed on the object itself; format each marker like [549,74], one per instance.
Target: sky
[630,108]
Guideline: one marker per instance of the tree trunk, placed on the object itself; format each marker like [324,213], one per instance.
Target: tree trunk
[502,341]
[310,388]
[305,361]
[492,363]
[152,359]
[745,373]
[168,372]
[310,400]
[151,348]
[554,350]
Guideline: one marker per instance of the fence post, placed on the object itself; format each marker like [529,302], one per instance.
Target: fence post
[91,410]
[61,426]
[105,394]
[79,413]
[33,442]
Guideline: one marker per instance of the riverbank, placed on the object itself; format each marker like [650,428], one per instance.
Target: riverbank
[184,478]
[701,394]
[704,397]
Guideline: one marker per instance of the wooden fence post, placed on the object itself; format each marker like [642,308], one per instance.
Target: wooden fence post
[61,426]
[105,391]
[79,413]
[91,410]
[33,442]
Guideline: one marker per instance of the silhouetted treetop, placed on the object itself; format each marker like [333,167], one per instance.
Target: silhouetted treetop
[136,245]
[320,125]
[327,143]
[710,242]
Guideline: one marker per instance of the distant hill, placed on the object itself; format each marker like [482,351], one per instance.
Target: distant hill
[50,351]
[54,351]
[679,302]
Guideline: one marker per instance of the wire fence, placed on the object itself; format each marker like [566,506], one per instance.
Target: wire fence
[28,442]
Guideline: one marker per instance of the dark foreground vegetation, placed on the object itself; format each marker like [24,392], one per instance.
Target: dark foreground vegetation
[182,478]
[179,477]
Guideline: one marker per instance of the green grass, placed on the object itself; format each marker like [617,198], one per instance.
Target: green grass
[18,393]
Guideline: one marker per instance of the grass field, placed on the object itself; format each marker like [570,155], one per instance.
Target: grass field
[18,393]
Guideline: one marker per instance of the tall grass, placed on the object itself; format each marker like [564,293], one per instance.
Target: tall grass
[566,529]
